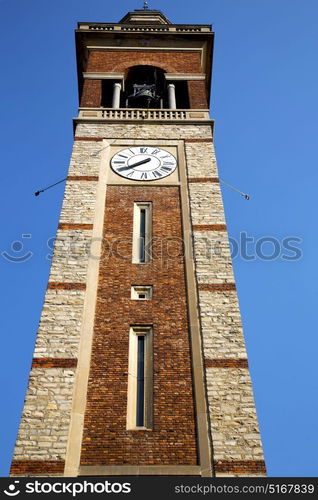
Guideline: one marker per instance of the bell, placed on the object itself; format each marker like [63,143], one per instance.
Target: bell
[144,96]
[144,93]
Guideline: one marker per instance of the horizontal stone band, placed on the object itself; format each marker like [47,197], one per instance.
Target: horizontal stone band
[37,467]
[202,180]
[54,363]
[67,225]
[209,227]
[226,363]
[140,470]
[240,466]
[56,285]
[82,178]
[216,287]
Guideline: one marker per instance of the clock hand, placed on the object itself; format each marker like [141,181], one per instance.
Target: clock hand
[141,162]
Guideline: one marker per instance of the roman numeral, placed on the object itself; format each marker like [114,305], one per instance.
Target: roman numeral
[119,162]
[143,150]
[156,174]
[155,151]
[123,156]
[166,156]
[168,163]
[166,169]
[144,175]
[131,151]
[130,174]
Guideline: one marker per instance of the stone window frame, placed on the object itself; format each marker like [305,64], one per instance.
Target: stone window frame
[134,332]
[137,240]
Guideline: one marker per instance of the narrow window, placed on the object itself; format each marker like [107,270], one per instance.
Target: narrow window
[140,375]
[140,405]
[142,233]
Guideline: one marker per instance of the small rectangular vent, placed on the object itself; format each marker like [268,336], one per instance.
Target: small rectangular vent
[141,292]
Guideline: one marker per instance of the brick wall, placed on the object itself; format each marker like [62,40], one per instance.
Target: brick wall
[91,94]
[197,94]
[172,440]
[171,62]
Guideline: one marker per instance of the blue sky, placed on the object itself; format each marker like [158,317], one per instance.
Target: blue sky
[264,101]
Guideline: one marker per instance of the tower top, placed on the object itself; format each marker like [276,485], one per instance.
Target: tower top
[145,16]
[142,33]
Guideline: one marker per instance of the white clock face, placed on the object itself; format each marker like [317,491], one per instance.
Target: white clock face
[143,163]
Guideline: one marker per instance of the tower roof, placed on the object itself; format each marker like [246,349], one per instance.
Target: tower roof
[145,16]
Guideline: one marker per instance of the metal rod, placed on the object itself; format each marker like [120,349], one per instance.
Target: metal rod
[48,187]
[246,196]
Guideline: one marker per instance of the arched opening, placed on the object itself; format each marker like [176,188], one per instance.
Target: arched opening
[145,87]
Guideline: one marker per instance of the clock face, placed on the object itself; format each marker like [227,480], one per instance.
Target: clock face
[143,163]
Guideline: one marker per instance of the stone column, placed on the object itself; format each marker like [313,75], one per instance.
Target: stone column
[116,95]
[172,96]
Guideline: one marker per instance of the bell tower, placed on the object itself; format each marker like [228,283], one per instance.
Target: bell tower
[140,366]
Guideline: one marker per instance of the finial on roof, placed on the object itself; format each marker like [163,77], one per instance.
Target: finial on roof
[146,6]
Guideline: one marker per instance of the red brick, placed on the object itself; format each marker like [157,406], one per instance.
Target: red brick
[197,94]
[240,467]
[88,139]
[209,227]
[198,140]
[54,362]
[121,61]
[37,467]
[54,285]
[226,363]
[173,438]
[67,225]
[202,179]
[82,178]
[217,287]
[91,94]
